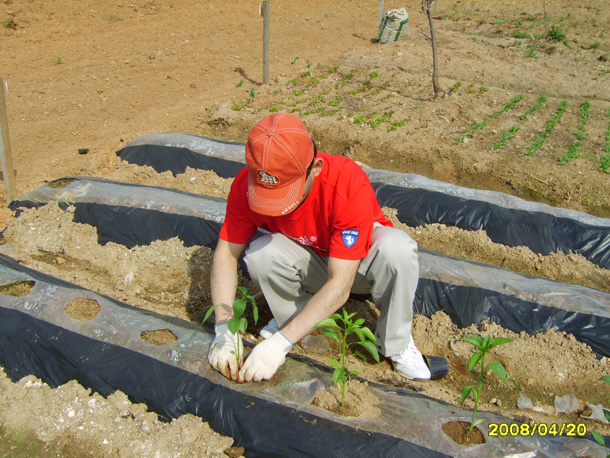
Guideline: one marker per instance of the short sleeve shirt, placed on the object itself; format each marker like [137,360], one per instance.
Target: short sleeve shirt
[336,219]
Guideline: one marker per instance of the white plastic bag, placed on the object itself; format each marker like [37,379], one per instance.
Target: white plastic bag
[395,25]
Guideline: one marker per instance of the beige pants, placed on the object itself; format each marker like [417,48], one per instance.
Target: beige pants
[289,274]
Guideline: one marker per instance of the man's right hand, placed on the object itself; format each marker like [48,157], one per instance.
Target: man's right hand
[223,352]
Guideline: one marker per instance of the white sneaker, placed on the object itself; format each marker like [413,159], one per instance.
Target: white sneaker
[270,329]
[411,364]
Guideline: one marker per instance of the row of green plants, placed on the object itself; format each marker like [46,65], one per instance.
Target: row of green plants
[574,149]
[342,98]
[548,128]
[331,101]
[512,131]
[605,160]
[477,126]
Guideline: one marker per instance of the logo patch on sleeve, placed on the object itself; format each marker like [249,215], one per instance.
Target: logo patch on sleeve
[350,236]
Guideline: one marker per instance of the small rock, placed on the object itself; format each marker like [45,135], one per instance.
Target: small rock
[235,452]
[566,404]
[524,402]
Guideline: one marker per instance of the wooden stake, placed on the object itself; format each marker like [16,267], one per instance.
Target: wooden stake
[6,156]
[266,10]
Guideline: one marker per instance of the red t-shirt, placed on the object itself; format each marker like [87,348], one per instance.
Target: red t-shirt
[335,220]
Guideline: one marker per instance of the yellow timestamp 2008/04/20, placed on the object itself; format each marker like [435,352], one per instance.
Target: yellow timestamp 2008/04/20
[540,429]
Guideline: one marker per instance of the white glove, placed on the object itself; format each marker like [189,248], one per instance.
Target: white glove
[265,359]
[223,352]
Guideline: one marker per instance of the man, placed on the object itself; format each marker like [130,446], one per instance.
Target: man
[327,238]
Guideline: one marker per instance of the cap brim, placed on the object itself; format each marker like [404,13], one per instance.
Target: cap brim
[275,201]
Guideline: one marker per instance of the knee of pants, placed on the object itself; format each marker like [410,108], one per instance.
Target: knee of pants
[256,256]
[395,246]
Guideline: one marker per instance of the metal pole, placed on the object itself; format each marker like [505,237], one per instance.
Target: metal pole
[380,14]
[6,156]
[266,8]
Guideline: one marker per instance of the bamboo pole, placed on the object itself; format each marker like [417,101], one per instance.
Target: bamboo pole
[380,14]
[266,11]
[6,156]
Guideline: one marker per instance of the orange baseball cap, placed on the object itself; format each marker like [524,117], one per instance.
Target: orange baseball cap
[278,152]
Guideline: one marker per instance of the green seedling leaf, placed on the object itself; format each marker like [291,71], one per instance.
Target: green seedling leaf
[474,360]
[332,333]
[598,438]
[486,341]
[606,379]
[477,341]
[234,324]
[239,307]
[338,375]
[369,335]
[334,363]
[359,355]
[254,311]
[372,349]
[499,341]
[466,392]
[328,322]
[498,370]
[209,312]
[243,324]
[240,84]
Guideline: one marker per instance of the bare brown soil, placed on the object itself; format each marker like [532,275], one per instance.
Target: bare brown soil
[85,78]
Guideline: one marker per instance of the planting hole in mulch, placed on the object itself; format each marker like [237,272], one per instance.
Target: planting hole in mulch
[61,183]
[458,432]
[82,309]
[17,288]
[358,401]
[158,337]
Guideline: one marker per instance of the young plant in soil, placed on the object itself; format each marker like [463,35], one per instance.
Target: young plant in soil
[483,344]
[367,340]
[238,322]
[598,437]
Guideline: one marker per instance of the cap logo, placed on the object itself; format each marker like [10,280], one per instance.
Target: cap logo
[267,179]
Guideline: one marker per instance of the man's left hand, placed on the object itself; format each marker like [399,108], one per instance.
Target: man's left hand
[265,359]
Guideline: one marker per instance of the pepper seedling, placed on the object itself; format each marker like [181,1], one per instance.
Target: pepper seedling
[330,327]
[238,322]
[483,344]
[598,437]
